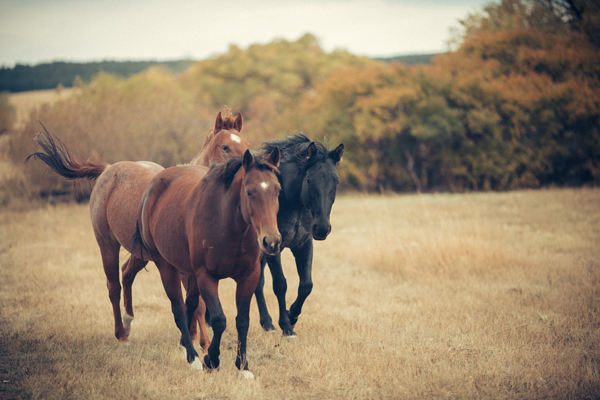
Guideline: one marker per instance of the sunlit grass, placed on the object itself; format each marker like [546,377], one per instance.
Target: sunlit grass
[449,296]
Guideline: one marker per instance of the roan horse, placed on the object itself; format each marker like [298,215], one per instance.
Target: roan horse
[309,180]
[212,225]
[115,200]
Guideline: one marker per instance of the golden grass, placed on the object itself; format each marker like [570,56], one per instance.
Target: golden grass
[27,102]
[416,296]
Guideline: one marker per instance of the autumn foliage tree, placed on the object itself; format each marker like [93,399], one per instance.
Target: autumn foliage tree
[517,104]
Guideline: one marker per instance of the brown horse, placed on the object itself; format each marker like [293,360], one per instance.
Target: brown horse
[115,200]
[223,143]
[212,224]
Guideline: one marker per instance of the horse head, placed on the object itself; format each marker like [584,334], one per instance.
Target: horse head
[224,141]
[319,186]
[260,198]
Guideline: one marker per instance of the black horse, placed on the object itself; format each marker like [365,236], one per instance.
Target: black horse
[309,179]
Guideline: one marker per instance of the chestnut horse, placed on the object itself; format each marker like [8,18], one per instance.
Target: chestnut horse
[115,200]
[212,224]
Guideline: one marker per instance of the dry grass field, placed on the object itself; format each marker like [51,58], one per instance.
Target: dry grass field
[487,295]
[27,102]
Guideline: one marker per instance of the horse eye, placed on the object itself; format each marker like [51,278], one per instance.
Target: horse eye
[225,147]
[249,193]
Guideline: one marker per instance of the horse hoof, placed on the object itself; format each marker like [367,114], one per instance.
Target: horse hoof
[292,338]
[246,375]
[196,364]
[126,318]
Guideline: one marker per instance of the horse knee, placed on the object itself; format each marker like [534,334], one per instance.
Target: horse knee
[218,323]
[128,278]
[242,323]
[305,288]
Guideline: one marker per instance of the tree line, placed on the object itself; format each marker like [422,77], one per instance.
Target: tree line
[514,104]
[24,77]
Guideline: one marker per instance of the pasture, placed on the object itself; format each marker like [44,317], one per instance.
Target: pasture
[484,295]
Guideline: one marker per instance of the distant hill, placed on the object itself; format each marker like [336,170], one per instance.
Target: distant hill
[410,59]
[49,75]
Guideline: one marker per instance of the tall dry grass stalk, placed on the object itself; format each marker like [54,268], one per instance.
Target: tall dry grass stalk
[433,296]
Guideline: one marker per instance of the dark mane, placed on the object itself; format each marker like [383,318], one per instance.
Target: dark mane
[224,172]
[294,148]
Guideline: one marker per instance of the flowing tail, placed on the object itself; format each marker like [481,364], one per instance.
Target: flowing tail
[58,157]
[136,243]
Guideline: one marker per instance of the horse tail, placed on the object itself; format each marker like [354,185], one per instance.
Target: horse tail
[58,157]
[136,243]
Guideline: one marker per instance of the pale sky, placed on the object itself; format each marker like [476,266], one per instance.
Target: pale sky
[35,31]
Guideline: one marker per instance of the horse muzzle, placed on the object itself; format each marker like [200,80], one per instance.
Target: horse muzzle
[271,247]
[320,232]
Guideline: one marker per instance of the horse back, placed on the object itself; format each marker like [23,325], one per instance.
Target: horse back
[115,199]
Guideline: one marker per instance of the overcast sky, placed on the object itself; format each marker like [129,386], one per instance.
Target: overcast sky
[35,31]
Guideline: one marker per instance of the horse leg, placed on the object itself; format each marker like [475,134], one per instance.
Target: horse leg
[209,289]
[197,324]
[207,317]
[191,304]
[189,281]
[172,284]
[280,288]
[130,269]
[265,319]
[243,296]
[199,317]
[197,307]
[109,250]
[303,256]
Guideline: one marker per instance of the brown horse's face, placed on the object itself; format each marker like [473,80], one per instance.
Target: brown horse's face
[226,144]
[260,201]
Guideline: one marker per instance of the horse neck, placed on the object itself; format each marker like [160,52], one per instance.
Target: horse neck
[231,205]
[202,157]
[291,178]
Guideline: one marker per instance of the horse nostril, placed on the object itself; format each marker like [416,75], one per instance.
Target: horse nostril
[272,247]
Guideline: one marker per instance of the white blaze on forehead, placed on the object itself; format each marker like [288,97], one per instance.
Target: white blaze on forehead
[264,185]
[236,138]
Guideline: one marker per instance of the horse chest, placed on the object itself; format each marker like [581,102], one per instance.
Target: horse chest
[230,261]
[294,227]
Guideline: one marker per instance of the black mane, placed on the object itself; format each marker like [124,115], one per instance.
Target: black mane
[224,172]
[294,148]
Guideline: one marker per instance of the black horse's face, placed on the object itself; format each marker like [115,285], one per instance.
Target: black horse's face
[318,192]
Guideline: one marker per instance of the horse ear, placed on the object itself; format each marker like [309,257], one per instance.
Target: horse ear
[237,124]
[218,123]
[337,154]
[312,150]
[248,159]
[274,156]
